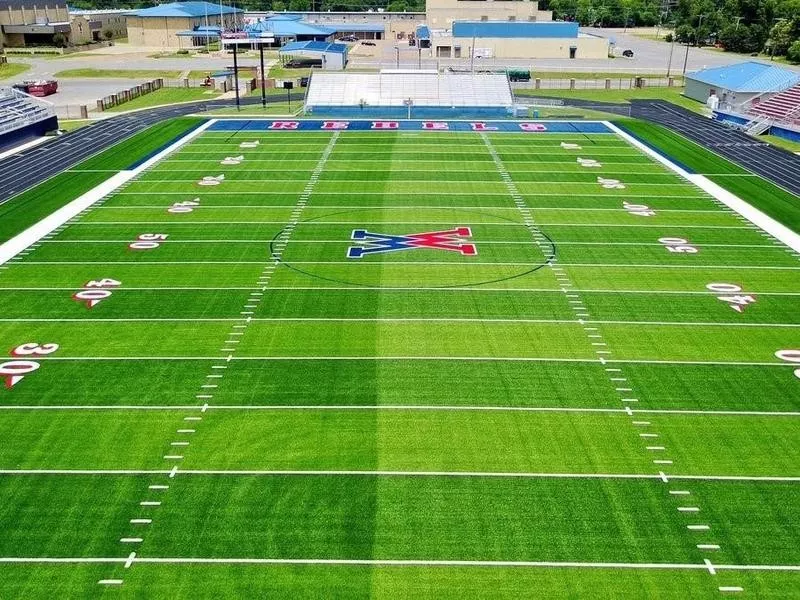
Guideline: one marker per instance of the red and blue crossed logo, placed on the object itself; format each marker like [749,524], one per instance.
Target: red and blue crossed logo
[374,243]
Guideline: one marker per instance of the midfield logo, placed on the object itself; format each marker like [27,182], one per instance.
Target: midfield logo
[373,243]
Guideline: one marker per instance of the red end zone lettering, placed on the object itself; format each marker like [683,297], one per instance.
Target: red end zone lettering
[285,125]
[481,126]
[435,125]
[385,125]
[335,124]
[532,127]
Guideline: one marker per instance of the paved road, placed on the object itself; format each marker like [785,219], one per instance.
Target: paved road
[649,56]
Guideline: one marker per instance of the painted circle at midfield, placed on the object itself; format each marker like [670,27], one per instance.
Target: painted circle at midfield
[467,280]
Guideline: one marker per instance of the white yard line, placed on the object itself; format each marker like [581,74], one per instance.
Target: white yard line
[438,290]
[397,407]
[58,218]
[523,359]
[752,214]
[392,562]
[387,473]
[402,320]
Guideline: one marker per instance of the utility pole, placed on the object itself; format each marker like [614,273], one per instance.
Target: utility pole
[671,49]
[263,75]
[472,53]
[235,69]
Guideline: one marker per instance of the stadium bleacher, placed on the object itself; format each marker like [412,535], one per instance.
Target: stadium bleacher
[22,116]
[783,107]
[426,90]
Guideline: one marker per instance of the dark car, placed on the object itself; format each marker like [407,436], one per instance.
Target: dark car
[367,43]
[627,53]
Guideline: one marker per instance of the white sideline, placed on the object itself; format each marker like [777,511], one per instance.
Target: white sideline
[752,214]
[392,562]
[51,222]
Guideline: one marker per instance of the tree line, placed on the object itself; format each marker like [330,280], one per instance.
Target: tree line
[750,26]
[276,5]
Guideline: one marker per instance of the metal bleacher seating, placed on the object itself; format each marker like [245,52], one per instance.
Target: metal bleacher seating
[19,110]
[396,87]
[783,107]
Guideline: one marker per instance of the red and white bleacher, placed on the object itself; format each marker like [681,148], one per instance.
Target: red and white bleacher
[782,107]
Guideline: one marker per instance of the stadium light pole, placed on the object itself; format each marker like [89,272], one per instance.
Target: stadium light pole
[263,76]
[235,70]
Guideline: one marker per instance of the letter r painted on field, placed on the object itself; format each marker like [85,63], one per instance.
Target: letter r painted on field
[285,125]
[335,124]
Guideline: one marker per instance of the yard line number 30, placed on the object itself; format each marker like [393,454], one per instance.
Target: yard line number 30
[13,371]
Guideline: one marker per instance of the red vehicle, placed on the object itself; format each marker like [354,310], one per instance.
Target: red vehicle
[38,88]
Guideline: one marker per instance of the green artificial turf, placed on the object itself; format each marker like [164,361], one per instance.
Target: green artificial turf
[165,96]
[767,197]
[30,206]
[284,402]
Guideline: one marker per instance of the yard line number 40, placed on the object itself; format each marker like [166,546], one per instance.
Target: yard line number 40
[13,371]
[95,291]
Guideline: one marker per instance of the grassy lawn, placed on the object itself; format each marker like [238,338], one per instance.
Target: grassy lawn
[73,124]
[673,94]
[767,197]
[599,75]
[30,206]
[117,74]
[781,142]
[9,70]
[166,96]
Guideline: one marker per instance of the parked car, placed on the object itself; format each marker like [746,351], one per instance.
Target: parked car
[627,53]
[348,38]
[367,43]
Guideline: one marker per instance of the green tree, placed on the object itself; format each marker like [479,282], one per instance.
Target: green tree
[793,53]
[780,37]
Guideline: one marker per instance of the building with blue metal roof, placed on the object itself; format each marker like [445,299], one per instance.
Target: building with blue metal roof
[158,27]
[513,39]
[290,28]
[330,55]
[739,83]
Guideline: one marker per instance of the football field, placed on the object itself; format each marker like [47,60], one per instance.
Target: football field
[387,364]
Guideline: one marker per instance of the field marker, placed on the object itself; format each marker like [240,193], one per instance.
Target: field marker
[688,509]
[173,472]
[656,448]
[129,562]
[640,422]
[158,487]
[141,521]
[663,476]
[179,443]
[110,582]
[131,540]
[679,492]
[708,546]
[709,566]
[698,527]
[173,457]
[185,431]
[662,462]
[730,588]
[192,418]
